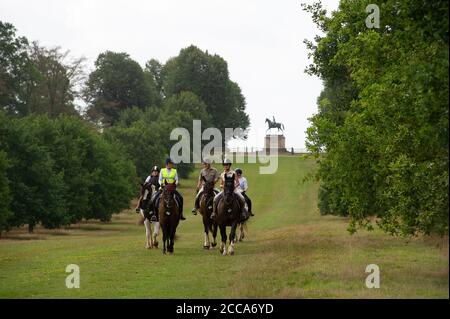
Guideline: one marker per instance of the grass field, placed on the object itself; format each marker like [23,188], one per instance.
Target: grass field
[290,252]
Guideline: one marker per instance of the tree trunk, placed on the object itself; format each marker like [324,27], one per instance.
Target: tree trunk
[30,228]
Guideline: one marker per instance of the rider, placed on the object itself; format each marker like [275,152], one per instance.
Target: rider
[153,180]
[229,173]
[243,187]
[211,175]
[169,175]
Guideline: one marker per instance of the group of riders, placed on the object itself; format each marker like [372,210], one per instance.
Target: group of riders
[158,178]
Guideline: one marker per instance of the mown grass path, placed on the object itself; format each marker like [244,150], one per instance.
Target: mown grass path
[290,252]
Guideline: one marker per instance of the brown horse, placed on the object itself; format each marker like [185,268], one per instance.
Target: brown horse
[228,213]
[206,208]
[169,216]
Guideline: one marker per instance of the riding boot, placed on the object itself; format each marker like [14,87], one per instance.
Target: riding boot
[249,204]
[181,208]
[196,205]
[138,207]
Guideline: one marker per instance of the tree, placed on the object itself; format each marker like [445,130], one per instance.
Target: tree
[58,171]
[381,133]
[17,73]
[154,69]
[57,81]
[207,77]
[145,135]
[38,189]
[117,83]
[5,196]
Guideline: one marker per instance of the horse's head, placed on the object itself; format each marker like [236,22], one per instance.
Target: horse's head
[167,194]
[208,186]
[228,189]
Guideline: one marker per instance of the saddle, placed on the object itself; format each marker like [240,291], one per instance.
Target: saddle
[157,200]
[235,199]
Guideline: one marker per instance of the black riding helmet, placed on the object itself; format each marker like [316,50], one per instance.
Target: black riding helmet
[155,168]
[238,171]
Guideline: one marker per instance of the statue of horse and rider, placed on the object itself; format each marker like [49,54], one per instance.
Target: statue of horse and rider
[274,124]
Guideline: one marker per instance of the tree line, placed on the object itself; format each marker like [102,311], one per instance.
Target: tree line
[381,132]
[74,145]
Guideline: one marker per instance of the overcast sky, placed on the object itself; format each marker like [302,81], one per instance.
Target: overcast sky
[261,40]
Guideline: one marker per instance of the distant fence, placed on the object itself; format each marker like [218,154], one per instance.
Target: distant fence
[252,150]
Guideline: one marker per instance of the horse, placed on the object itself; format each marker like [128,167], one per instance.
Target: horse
[206,208]
[273,124]
[243,229]
[228,213]
[169,216]
[147,190]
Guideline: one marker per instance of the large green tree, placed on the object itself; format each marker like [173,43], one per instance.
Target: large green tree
[58,171]
[5,196]
[17,73]
[145,135]
[117,83]
[207,76]
[381,133]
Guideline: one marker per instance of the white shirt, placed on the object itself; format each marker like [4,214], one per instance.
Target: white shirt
[243,185]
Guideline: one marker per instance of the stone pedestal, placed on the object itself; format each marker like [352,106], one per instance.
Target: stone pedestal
[274,141]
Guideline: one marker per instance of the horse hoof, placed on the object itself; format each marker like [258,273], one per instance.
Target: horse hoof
[231,253]
[214,244]
[206,246]
[155,244]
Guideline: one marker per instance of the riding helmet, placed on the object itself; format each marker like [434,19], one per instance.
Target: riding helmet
[155,168]
[226,161]
[238,171]
[169,160]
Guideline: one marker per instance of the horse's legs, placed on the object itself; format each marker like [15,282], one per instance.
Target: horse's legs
[171,239]
[232,238]
[241,231]
[155,233]
[214,235]
[165,235]
[223,244]
[206,233]
[148,233]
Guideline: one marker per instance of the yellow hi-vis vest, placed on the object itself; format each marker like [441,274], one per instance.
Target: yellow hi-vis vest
[170,178]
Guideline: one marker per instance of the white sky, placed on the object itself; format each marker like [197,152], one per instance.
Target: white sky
[261,40]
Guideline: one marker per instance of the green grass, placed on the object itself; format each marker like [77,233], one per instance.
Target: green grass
[290,252]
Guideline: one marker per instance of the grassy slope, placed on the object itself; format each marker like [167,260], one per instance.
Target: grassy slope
[291,252]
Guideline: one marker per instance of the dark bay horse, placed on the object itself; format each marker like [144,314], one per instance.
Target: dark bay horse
[206,208]
[273,124]
[169,216]
[228,213]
